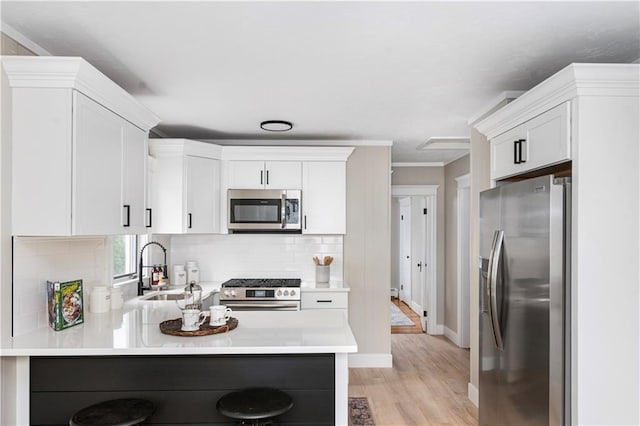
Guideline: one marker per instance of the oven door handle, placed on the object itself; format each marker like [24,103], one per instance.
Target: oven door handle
[271,306]
[283,210]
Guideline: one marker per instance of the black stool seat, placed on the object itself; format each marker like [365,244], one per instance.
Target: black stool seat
[116,412]
[254,404]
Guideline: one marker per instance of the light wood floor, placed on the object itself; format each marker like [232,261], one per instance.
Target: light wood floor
[406,329]
[426,386]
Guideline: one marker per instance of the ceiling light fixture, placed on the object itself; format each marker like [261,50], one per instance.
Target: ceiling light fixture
[276,126]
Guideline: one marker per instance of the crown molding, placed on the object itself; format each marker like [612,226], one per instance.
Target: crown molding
[159,147]
[300,142]
[20,38]
[423,164]
[284,153]
[78,74]
[493,104]
[568,83]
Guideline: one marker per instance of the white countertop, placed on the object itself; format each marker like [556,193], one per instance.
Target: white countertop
[135,331]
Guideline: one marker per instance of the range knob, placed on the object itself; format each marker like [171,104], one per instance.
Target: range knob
[279,293]
[233,293]
[286,292]
[227,293]
[293,292]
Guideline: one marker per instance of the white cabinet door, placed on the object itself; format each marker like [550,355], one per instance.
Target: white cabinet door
[283,175]
[324,197]
[202,215]
[540,142]
[97,161]
[134,173]
[246,175]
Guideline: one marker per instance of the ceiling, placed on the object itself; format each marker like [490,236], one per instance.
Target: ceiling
[398,71]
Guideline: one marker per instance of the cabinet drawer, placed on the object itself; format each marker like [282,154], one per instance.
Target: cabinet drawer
[540,142]
[324,300]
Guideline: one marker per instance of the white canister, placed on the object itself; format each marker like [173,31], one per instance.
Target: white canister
[179,276]
[100,300]
[117,301]
[193,272]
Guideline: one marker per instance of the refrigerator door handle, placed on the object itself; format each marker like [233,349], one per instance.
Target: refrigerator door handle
[492,281]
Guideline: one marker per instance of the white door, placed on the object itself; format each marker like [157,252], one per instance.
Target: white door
[97,161]
[201,214]
[405,250]
[324,197]
[283,175]
[247,175]
[134,153]
[418,265]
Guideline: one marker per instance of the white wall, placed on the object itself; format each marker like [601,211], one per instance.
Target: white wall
[221,257]
[36,260]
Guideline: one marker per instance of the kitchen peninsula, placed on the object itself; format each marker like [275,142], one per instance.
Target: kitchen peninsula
[124,353]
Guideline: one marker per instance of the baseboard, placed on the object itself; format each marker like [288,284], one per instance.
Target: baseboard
[437,329]
[452,335]
[370,361]
[473,394]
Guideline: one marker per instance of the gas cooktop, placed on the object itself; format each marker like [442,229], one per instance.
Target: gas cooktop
[262,282]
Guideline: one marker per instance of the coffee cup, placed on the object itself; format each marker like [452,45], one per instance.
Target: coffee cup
[219,315]
[192,319]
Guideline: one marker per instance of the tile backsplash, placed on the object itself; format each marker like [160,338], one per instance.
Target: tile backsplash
[221,257]
[37,259]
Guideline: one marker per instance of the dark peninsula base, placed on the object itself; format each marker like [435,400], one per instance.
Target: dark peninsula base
[184,388]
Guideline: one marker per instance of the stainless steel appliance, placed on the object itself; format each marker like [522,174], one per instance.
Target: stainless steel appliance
[524,303]
[264,210]
[275,294]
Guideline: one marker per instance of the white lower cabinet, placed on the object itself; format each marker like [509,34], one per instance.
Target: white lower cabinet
[185,188]
[542,141]
[324,197]
[324,300]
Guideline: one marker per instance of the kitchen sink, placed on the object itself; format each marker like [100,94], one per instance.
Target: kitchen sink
[172,296]
[166,296]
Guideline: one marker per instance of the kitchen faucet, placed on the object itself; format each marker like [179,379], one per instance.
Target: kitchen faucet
[164,266]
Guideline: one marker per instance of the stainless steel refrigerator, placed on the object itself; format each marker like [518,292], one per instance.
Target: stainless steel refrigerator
[524,303]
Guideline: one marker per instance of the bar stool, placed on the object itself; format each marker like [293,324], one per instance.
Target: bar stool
[115,412]
[254,406]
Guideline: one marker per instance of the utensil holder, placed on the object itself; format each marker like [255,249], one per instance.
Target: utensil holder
[322,273]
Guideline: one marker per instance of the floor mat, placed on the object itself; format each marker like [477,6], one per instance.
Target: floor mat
[359,412]
[398,317]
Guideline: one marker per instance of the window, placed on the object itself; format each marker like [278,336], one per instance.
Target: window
[126,249]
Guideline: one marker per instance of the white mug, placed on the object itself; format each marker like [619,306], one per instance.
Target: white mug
[191,319]
[219,314]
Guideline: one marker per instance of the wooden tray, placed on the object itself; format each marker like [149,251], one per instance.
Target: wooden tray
[173,327]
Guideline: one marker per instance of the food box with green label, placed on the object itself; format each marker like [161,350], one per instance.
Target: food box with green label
[65,304]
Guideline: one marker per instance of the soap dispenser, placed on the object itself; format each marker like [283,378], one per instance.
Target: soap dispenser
[193,296]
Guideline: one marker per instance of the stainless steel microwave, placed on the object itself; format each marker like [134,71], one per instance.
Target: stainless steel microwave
[264,210]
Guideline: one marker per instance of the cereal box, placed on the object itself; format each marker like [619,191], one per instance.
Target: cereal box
[64,304]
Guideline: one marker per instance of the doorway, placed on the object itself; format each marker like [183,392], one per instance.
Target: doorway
[415,254]
[464,249]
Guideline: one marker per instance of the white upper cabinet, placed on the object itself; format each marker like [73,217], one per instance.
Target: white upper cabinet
[185,186]
[78,150]
[540,142]
[265,174]
[324,197]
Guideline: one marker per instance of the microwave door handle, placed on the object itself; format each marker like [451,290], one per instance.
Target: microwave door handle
[283,210]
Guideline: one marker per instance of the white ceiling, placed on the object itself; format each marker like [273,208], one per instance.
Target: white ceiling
[399,71]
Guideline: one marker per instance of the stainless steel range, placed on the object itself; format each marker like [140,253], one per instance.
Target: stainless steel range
[279,294]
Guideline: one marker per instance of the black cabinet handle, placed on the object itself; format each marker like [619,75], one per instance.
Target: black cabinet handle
[128,216]
[515,152]
[261,177]
[267,177]
[521,159]
[305,221]
[189,220]
[149,218]
[324,301]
